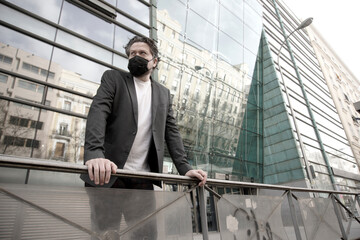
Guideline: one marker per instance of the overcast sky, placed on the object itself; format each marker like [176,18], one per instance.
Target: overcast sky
[338,23]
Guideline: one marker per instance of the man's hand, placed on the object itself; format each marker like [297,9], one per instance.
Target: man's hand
[100,170]
[200,174]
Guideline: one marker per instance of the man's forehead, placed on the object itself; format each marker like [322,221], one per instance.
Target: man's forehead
[140,45]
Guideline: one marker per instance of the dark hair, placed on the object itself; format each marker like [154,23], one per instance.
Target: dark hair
[153,48]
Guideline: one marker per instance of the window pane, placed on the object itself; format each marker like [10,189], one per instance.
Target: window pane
[17,128]
[231,51]
[251,40]
[210,12]
[28,47]
[25,22]
[253,17]
[231,24]
[3,78]
[122,37]
[50,10]
[201,32]
[78,20]
[86,69]
[67,137]
[134,8]
[26,90]
[121,62]
[235,6]
[84,47]
[170,14]
[132,25]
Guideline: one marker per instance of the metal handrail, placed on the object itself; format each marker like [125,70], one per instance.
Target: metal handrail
[52,165]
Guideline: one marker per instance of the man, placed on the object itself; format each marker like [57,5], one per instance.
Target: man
[128,121]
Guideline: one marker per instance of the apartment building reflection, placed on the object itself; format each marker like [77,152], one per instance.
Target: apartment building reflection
[32,132]
[209,102]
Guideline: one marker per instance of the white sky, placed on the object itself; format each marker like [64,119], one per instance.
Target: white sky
[338,23]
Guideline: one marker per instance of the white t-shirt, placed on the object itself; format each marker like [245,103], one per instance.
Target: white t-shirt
[138,153]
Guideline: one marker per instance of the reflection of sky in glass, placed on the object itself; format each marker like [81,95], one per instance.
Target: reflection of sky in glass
[84,47]
[252,19]
[250,61]
[88,70]
[231,49]
[25,43]
[201,31]
[176,11]
[120,62]
[131,24]
[23,21]
[231,24]
[78,21]
[255,6]
[210,12]
[122,37]
[251,40]
[235,6]
[112,2]
[136,9]
[50,10]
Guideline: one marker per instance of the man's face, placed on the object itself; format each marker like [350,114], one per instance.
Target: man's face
[143,50]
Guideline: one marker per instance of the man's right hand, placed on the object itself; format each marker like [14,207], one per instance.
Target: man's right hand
[100,170]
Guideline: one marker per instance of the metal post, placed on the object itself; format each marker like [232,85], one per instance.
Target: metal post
[293,216]
[203,215]
[338,215]
[357,199]
[193,196]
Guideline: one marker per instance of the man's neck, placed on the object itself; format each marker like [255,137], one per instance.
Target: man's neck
[145,77]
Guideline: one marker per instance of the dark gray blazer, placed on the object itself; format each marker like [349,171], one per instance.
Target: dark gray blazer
[112,125]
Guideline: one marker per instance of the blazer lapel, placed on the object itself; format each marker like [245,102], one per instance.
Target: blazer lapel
[131,88]
[154,100]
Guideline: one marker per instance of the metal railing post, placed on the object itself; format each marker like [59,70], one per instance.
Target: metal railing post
[357,199]
[338,215]
[203,214]
[293,216]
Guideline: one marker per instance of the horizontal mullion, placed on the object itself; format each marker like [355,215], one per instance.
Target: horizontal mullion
[41,106]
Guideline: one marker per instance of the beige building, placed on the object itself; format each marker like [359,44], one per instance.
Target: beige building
[30,132]
[68,132]
[24,128]
[343,86]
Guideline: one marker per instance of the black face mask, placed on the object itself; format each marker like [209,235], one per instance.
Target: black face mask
[138,66]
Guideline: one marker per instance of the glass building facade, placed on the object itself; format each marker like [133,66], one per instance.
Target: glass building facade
[239,119]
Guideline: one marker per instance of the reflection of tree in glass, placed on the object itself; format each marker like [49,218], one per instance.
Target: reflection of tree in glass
[16,130]
[77,141]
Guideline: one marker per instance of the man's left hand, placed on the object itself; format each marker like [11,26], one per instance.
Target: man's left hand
[199,174]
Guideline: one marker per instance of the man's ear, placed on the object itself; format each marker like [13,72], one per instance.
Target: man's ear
[155,62]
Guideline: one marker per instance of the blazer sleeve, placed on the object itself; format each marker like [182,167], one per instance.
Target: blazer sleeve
[174,142]
[99,112]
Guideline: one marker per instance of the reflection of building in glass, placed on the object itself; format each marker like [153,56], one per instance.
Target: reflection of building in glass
[68,132]
[209,102]
[47,134]
[24,130]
